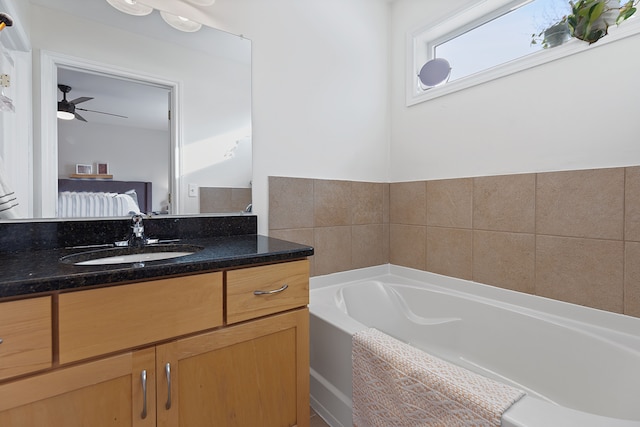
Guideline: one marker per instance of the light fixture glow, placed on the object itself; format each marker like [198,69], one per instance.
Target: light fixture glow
[65,115]
[132,7]
[202,2]
[180,23]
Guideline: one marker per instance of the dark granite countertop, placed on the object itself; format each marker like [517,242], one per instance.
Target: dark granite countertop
[227,243]
[27,273]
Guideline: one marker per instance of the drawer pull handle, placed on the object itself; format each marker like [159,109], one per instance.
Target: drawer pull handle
[143,376]
[275,291]
[0,340]
[167,370]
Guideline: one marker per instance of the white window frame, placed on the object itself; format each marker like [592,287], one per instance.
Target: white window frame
[420,45]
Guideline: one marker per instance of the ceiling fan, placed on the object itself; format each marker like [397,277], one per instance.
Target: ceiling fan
[67,109]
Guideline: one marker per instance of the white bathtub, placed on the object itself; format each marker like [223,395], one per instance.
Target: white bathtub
[579,366]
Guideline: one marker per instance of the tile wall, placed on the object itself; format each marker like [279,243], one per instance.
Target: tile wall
[346,222]
[572,236]
[224,200]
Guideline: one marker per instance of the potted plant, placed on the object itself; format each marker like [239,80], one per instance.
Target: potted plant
[554,35]
[590,19]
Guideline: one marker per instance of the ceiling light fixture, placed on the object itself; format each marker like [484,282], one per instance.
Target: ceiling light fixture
[132,7]
[64,112]
[202,2]
[66,109]
[180,23]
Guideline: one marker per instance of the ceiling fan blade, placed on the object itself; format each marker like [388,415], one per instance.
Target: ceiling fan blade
[79,117]
[81,99]
[102,112]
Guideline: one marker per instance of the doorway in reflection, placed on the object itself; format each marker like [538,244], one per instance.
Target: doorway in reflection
[122,133]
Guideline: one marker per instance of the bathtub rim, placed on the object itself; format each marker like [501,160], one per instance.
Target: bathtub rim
[621,326]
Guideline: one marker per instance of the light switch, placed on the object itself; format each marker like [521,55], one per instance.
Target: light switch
[193,190]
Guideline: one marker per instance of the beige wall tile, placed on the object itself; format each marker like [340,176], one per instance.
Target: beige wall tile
[504,259]
[581,203]
[505,203]
[408,245]
[599,271]
[215,199]
[240,198]
[449,203]
[304,236]
[368,246]
[632,279]
[449,251]
[368,202]
[408,203]
[332,249]
[290,203]
[581,271]
[386,234]
[385,203]
[632,204]
[332,203]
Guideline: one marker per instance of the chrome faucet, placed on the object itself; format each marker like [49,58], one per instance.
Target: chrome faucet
[137,238]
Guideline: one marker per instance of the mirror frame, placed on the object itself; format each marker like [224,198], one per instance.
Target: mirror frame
[45,203]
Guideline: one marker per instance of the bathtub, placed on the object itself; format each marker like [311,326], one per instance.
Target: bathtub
[578,366]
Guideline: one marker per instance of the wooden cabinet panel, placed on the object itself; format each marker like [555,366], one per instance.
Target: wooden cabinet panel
[244,304]
[101,321]
[254,374]
[103,393]
[25,331]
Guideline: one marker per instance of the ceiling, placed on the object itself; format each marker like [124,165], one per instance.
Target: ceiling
[144,105]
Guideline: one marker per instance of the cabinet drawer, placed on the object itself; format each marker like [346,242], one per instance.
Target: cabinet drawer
[244,304]
[25,331]
[101,321]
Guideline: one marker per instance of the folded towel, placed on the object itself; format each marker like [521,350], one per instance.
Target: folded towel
[395,384]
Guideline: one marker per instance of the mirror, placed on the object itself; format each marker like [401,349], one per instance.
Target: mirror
[434,72]
[204,151]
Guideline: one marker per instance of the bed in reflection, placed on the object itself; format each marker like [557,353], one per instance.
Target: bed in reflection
[78,198]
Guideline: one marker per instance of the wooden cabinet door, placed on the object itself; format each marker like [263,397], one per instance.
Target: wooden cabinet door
[103,393]
[25,336]
[251,374]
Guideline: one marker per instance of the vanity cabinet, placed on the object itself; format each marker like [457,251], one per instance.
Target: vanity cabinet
[203,365]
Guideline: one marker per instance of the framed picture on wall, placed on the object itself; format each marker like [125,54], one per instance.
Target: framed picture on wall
[102,168]
[84,169]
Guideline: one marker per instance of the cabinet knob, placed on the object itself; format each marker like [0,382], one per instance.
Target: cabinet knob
[0,340]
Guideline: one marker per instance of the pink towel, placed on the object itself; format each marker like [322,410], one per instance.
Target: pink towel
[395,384]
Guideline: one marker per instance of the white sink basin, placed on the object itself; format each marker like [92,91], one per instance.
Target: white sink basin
[129,255]
[123,259]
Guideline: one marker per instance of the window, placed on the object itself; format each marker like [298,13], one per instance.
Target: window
[491,40]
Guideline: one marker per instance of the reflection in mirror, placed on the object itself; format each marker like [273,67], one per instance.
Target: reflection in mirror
[116,123]
[208,148]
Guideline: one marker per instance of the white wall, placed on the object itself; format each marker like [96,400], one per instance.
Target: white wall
[575,113]
[319,88]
